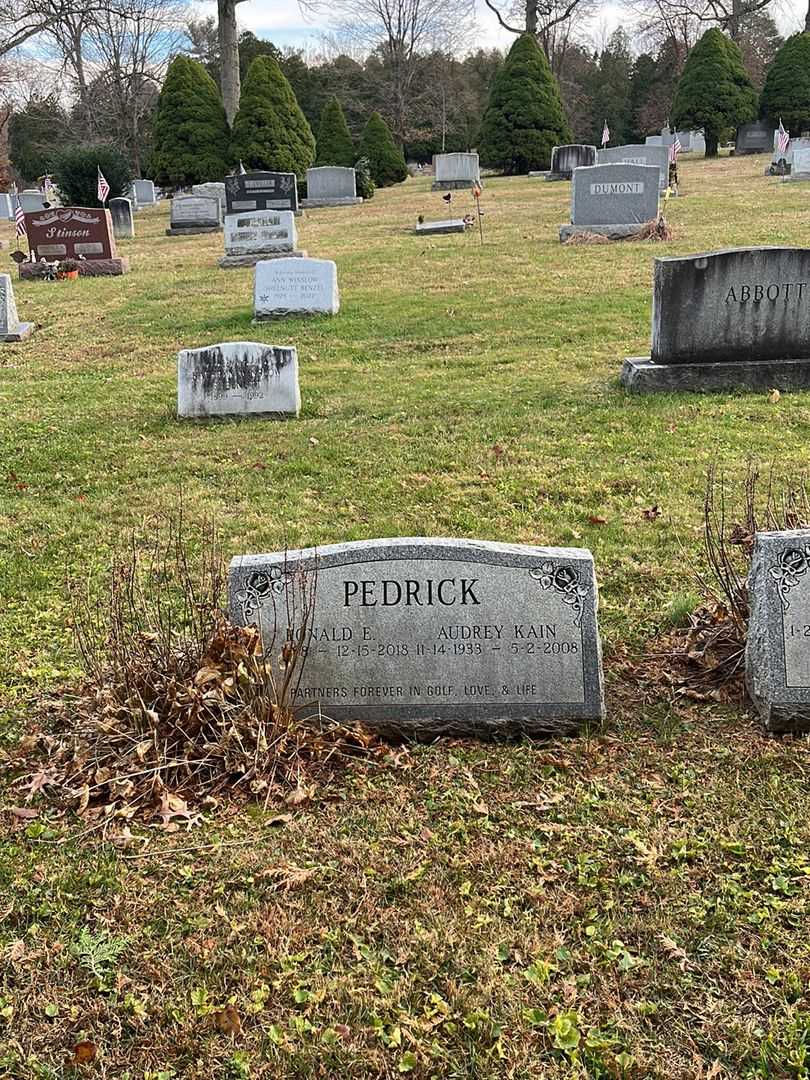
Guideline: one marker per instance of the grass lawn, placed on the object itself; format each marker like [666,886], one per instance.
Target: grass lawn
[629,903]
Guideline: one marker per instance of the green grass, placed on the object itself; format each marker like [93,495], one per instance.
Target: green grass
[458,912]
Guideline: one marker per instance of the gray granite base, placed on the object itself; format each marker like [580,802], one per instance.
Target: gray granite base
[552,176]
[612,232]
[314,204]
[236,262]
[439,228]
[453,185]
[196,230]
[24,330]
[641,376]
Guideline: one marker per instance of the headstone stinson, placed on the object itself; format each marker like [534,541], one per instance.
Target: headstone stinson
[455,171]
[194,214]
[261,191]
[424,636]
[74,232]
[254,235]
[295,287]
[122,219]
[11,329]
[612,200]
[724,320]
[564,159]
[639,154]
[331,185]
[238,378]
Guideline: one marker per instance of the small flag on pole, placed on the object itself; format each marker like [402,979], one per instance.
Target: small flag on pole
[19,220]
[605,134]
[103,186]
[675,149]
[782,137]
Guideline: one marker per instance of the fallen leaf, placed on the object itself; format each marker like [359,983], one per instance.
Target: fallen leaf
[674,951]
[297,797]
[313,441]
[172,806]
[594,519]
[24,813]
[84,1052]
[773,395]
[280,819]
[227,1021]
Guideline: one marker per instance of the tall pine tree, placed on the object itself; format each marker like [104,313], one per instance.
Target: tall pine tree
[385,160]
[334,144]
[190,130]
[786,94]
[270,131]
[714,92]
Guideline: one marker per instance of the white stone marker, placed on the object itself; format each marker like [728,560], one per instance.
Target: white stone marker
[259,231]
[6,208]
[295,287]
[238,378]
[144,192]
[11,329]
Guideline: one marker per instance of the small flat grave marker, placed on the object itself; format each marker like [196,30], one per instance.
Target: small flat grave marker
[238,378]
[437,228]
[295,287]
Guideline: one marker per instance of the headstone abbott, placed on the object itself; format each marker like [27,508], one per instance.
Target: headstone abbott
[424,636]
[777,657]
[724,320]
[238,378]
[295,287]
[11,329]
[616,201]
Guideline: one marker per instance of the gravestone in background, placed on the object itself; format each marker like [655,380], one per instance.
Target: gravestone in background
[261,191]
[756,138]
[295,287]
[423,637]
[73,232]
[192,215]
[31,200]
[782,160]
[612,200]
[259,234]
[564,159]
[331,185]
[11,329]
[212,190]
[122,220]
[438,228]
[238,378]
[144,193]
[6,207]
[800,166]
[777,656]
[724,320]
[455,171]
[639,154]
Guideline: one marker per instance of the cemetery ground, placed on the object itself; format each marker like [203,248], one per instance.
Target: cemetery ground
[630,902]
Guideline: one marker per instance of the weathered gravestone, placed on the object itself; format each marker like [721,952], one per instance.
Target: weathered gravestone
[144,192]
[756,138]
[295,287]
[782,161]
[238,378]
[194,214]
[423,636]
[6,207]
[213,190]
[331,185]
[724,320]
[73,232]
[800,166]
[261,191]
[122,220]
[11,329]
[436,228]
[259,234]
[777,655]
[564,159]
[639,154]
[455,171]
[31,200]
[612,200]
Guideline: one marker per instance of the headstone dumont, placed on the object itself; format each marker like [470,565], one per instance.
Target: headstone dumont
[122,220]
[612,200]
[725,320]
[31,200]
[755,138]
[331,185]
[777,656]
[639,154]
[437,228]
[192,215]
[238,378]
[295,287]
[254,235]
[73,232]
[422,636]
[261,191]
[564,159]
[144,192]
[455,171]
[213,190]
[11,329]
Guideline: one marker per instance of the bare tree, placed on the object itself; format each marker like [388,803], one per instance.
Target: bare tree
[229,56]
[679,18]
[22,20]
[537,17]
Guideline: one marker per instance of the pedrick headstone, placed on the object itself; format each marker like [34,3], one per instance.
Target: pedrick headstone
[144,192]
[777,655]
[11,329]
[73,232]
[213,190]
[564,159]
[194,214]
[756,138]
[455,171]
[725,320]
[422,637]
[259,234]
[438,228]
[31,200]
[261,191]
[238,378]
[295,287]
[639,154]
[122,220]
[612,200]
[331,185]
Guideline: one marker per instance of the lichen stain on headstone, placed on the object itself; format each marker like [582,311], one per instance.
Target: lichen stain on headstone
[213,372]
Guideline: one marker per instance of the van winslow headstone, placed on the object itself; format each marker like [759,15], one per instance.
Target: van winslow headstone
[612,200]
[564,159]
[238,378]
[74,232]
[194,214]
[261,191]
[738,318]
[427,636]
[295,287]
[11,329]
[777,660]
[331,185]
[254,235]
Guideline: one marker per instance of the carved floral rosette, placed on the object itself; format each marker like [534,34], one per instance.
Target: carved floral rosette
[260,586]
[790,567]
[567,582]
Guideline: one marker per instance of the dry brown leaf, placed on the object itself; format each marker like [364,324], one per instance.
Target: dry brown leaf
[594,519]
[228,1021]
[651,513]
[24,813]
[84,1052]
[674,951]
[773,395]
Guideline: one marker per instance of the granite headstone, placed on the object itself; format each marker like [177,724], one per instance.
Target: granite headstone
[6,207]
[11,329]
[639,154]
[455,171]
[194,214]
[612,200]
[261,191]
[254,235]
[238,378]
[295,287]
[122,220]
[213,190]
[564,159]
[31,200]
[754,138]
[331,185]
[144,192]
[438,228]
[74,232]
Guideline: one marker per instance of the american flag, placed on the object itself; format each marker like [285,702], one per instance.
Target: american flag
[605,134]
[675,149]
[19,219]
[103,186]
[782,137]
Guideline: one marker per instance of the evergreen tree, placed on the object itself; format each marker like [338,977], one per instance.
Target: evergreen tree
[524,119]
[75,173]
[385,159]
[786,94]
[642,83]
[270,131]
[190,131]
[610,91]
[35,133]
[334,145]
[714,92]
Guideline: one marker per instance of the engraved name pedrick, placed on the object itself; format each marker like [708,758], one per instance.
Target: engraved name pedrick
[743,294]
[792,564]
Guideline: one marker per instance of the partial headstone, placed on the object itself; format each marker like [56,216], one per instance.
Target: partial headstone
[259,234]
[238,378]
[726,320]
[455,171]
[122,220]
[73,232]
[564,159]
[639,154]
[782,160]
[261,191]
[777,655]
[212,190]
[144,192]
[31,200]
[6,207]
[11,329]
[692,142]
[654,140]
[436,228]
[755,138]
[419,637]
[331,185]
[295,287]
[194,214]
[615,201]
[800,166]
